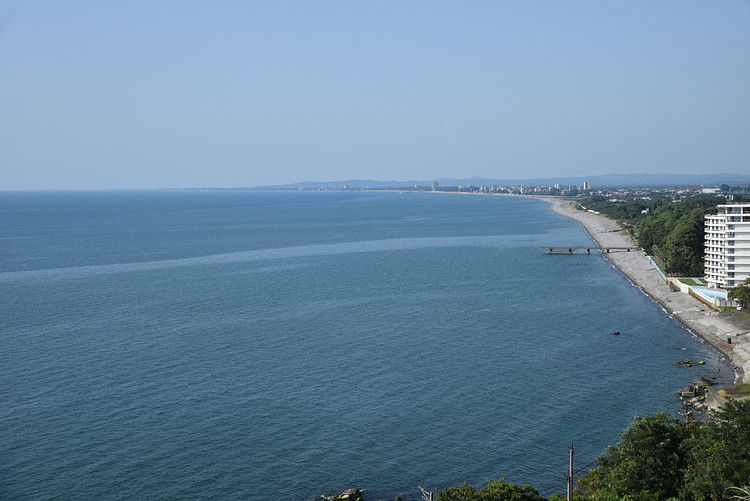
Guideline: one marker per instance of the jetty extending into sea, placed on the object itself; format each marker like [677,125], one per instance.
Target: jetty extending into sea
[729,336]
[567,249]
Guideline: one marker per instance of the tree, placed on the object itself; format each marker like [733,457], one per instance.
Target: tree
[741,293]
[719,454]
[646,464]
[499,490]
[675,234]
[683,244]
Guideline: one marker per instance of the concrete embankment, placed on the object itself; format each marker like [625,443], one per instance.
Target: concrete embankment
[716,328]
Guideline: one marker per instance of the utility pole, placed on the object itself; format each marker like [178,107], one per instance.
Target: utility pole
[571,451]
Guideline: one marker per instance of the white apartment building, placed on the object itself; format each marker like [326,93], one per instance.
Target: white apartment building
[727,246]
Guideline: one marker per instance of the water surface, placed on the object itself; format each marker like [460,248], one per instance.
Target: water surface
[280,346]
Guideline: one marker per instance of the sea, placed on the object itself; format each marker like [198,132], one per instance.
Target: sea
[252,345]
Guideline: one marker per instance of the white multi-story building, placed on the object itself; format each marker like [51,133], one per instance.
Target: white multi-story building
[727,246]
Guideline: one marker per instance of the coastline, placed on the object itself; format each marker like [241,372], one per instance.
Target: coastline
[712,326]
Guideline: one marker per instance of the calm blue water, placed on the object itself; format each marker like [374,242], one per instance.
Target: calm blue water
[280,346]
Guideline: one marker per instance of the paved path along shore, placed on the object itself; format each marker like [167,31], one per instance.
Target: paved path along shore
[714,327]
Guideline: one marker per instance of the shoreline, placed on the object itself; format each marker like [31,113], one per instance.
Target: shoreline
[711,326]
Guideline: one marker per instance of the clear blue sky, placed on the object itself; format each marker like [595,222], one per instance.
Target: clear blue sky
[149,94]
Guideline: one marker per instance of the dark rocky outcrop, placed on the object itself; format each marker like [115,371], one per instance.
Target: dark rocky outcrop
[352,494]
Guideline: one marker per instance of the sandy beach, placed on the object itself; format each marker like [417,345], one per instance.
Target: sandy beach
[715,328]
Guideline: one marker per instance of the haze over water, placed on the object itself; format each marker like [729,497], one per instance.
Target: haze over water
[280,346]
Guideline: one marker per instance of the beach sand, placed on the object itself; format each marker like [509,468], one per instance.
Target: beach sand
[714,327]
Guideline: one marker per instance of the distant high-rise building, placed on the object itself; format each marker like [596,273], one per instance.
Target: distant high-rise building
[434,186]
[586,185]
[727,246]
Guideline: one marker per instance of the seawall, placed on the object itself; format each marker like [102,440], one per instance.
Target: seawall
[716,328]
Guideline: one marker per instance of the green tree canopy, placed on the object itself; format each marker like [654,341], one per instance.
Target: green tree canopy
[719,455]
[499,490]
[675,233]
[646,463]
[672,231]
[741,293]
[657,458]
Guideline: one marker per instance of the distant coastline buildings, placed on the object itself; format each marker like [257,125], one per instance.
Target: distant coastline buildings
[727,246]
[586,188]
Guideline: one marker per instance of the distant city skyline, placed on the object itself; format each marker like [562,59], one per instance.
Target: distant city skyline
[97,95]
[593,182]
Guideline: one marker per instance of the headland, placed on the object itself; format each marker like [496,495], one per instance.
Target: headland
[716,328]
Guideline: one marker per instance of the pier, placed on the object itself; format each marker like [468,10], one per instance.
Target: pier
[567,249]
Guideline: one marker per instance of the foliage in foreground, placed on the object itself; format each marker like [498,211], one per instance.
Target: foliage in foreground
[499,490]
[719,454]
[646,462]
[658,458]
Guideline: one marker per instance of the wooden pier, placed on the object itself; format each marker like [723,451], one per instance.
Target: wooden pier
[566,249]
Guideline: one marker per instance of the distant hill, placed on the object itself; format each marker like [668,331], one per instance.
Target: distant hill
[603,181]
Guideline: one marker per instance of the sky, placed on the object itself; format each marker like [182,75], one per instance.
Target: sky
[172,94]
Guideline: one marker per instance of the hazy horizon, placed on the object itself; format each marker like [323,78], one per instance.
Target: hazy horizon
[187,94]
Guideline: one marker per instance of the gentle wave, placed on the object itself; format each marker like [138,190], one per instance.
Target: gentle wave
[387,245]
[462,356]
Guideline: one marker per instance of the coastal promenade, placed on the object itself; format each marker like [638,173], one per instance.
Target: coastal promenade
[714,327]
